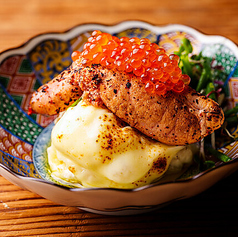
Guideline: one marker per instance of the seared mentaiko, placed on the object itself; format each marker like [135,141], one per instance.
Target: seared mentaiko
[56,95]
[173,118]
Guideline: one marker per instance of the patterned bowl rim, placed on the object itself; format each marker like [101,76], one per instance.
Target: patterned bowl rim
[113,28]
[110,28]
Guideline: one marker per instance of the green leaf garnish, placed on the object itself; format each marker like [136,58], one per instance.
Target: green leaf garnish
[76,102]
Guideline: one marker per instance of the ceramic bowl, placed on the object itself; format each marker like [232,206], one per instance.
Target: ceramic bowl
[24,69]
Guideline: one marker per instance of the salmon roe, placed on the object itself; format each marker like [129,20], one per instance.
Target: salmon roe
[158,71]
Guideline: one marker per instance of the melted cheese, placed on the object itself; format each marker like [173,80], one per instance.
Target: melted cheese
[93,148]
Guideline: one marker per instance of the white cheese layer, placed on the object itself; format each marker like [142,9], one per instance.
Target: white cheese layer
[92,147]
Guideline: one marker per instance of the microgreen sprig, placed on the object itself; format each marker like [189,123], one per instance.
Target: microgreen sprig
[208,79]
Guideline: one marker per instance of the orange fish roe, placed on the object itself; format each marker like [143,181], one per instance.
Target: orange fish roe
[158,71]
